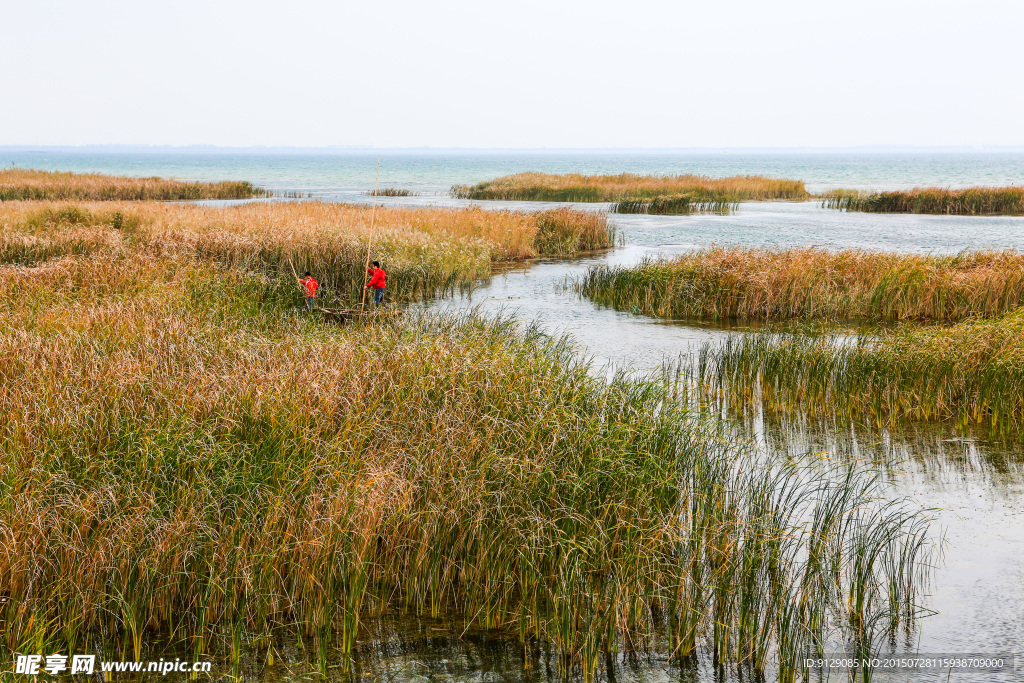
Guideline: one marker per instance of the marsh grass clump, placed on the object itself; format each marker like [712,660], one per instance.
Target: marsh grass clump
[563,232]
[973,201]
[969,374]
[184,458]
[25,184]
[721,283]
[391,192]
[676,205]
[574,187]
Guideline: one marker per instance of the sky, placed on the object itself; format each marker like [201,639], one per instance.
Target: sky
[526,74]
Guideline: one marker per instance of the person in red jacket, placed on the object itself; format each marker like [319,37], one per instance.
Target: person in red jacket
[309,287]
[377,282]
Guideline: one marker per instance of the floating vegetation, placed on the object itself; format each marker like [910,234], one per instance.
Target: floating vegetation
[391,192]
[973,201]
[27,184]
[762,284]
[676,205]
[627,187]
[186,460]
[971,373]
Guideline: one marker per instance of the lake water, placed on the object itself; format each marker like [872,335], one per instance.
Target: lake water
[340,175]
[977,486]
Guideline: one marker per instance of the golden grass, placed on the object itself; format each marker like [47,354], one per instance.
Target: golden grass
[764,284]
[573,187]
[422,249]
[972,201]
[26,184]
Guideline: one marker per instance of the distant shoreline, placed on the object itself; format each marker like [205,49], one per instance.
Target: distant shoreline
[486,151]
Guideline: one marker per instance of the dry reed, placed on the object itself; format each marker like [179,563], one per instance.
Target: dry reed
[423,250]
[574,187]
[26,184]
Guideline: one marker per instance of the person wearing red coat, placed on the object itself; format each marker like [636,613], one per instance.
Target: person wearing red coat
[377,282]
[309,286]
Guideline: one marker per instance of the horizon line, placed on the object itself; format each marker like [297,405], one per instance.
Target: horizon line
[364,149]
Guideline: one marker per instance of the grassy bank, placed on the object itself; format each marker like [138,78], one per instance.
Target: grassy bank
[423,250]
[760,284]
[971,373]
[24,184]
[184,458]
[574,187]
[974,201]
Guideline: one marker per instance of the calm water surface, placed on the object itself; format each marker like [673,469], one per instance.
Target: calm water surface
[977,486]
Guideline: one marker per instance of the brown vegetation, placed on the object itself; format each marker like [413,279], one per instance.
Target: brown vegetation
[764,284]
[422,249]
[573,187]
[26,184]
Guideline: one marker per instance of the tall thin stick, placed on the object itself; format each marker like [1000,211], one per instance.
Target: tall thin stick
[373,223]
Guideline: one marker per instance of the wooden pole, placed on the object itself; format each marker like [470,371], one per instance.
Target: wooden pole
[373,223]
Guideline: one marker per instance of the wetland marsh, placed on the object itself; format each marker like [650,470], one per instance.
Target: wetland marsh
[935,465]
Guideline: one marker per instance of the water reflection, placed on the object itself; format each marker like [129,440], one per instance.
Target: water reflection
[410,649]
[974,484]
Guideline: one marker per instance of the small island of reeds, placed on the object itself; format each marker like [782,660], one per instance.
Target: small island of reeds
[973,201]
[26,184]
[634,193]
[739,283]
[391,192]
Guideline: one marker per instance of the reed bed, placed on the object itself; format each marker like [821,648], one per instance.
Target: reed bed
[676,205]
[973,201]
[970,374]
[184,459]
[722,283]
[424,251]
[17,184]
[391,192]
[573,187]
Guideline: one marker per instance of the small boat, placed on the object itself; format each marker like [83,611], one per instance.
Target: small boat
[343,315]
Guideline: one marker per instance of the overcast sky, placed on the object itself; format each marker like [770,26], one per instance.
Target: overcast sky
[587,73]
